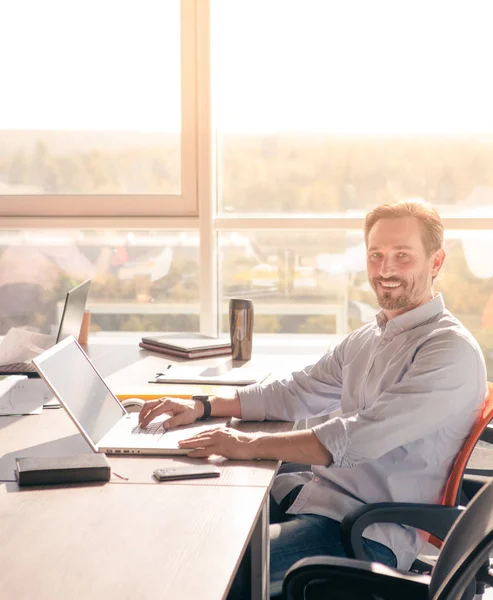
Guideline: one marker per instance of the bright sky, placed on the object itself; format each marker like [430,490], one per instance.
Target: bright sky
[342,66]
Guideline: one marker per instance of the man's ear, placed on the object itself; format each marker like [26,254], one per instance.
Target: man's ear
[438,258]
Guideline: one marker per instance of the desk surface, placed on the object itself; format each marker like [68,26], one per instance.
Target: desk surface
[133,538]
[128,370]
[110,541]
[53,434]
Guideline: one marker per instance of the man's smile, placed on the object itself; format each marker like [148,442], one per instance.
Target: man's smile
[389,285]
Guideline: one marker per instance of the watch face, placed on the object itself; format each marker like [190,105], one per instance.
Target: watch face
[200,397]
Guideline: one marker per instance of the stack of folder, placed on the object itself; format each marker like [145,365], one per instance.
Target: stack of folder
[195,346]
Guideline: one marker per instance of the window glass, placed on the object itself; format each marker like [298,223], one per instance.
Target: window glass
[141,281]
[323,106]
[315,282]
[300,281]
[466,283]
[90,99]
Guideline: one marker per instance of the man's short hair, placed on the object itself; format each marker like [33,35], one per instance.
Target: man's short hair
[430,221]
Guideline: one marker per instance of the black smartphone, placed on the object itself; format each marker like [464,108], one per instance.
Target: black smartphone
[191,472]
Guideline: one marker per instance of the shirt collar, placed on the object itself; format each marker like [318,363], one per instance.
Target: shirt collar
[412,318]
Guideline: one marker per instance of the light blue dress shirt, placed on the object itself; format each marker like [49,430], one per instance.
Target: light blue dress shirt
[409,390]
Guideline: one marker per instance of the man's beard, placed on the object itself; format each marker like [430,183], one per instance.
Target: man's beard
[386,300]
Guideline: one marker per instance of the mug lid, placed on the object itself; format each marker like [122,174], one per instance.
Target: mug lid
[237,303]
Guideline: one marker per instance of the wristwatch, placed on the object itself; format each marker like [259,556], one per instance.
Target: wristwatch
[207,407]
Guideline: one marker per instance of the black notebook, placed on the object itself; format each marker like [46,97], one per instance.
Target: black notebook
[62,469]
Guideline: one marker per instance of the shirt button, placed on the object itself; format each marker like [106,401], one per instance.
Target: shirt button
[316,479]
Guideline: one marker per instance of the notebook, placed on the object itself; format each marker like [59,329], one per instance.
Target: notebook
[222,374]
[180,354]
[188,342]
[70,323]
[98,414]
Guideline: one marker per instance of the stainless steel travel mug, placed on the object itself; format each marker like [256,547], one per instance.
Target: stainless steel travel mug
[241,328]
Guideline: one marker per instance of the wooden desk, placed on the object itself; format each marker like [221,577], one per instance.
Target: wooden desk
[53,434]
[55,542]
[132,541]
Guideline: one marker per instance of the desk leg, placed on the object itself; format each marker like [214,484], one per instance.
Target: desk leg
[260,562]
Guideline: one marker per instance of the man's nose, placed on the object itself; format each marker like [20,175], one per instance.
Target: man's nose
[387,267]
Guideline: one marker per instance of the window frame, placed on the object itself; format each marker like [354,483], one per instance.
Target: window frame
[108,206]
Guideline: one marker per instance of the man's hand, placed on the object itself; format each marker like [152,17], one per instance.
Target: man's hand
[183,412]
[224,441]
[294,446]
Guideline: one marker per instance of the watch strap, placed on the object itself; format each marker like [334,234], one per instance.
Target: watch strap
[207,407]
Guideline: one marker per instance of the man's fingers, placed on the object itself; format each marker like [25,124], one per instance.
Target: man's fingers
[182,418]
[150,404]
[198,441]
[150,415]
[147,408]
[159,407]
[206,434]
[201,437]
[201,453]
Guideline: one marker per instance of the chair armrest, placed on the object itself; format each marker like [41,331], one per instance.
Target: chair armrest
[433,518]
[333,577]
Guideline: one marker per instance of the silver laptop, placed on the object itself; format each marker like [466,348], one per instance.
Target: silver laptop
[70,323]
[98,414]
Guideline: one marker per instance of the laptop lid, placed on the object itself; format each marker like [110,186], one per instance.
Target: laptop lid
[80,388]
[70,324]
[73,311]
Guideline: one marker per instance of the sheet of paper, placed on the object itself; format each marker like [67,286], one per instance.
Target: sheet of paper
[19,345]
[220,375]
[20,395]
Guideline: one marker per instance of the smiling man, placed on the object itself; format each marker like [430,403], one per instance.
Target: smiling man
[409,386]
[404,255]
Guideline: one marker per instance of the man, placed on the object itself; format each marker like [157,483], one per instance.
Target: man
[409,386]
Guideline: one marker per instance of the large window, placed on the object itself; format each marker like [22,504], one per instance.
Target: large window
[240,143]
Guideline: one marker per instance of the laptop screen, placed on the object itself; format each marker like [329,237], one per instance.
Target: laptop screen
[80,388]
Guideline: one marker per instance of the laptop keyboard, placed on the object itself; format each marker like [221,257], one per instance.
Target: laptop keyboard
[151,429]
[17,367]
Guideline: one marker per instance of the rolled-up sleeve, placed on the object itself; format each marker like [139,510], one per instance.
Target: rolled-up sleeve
[314,391]
[446,377]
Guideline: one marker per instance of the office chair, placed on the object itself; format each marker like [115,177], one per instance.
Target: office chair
[464,552]
[434,519]
[475,478]
[354,524]
[459,479]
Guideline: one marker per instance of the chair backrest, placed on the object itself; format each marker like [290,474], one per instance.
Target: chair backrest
[454,483]
[465,549]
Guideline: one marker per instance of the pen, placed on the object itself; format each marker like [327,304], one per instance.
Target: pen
[156,377]
[159,374]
